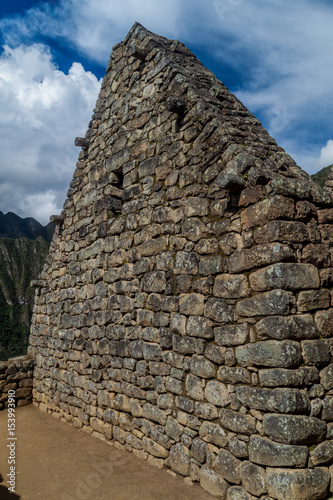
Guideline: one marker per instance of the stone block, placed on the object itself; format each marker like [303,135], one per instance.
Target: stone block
[205,411]
[191,304]
[217,393]
[253,478]
[277,377]
[322,454]
[326,377]
[238,493]
[198,326]
[186,263]
[154,281]
[209,265]
[316,352]
[258,256]
[324,322]
[237,422]
[231,286]
[194,387]
[193,229]
[327,412]
[281,230]
[294,429]
[302,484]
[274,400]
[234,375]
[179,459]
[263,451]
[276,302]
[271,208]
[213,483]
[218,310]
[288,276]
[232,335]
[213,433]
[228,467]
[298,327]
[154,448]
[285,353]
[311,300]
[202,367]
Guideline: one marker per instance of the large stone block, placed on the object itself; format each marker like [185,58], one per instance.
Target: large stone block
[324,321]
[234,375]
[310,300]
[276,302]
[191,304]
[253,478]
[218,310]
[217,393]
[289,276]
[228,467]
[231,286]
[298,327]
[302,484]
[274,400]
[326,377]
[213,433]
[237,422]
[316,352]
[198,326]
[277,377]
[263,451]
[186,263]
[179,459]
[281,230]
[285,353]
[232,335]
[271,208]
[213,483]
[238,493]
[202,367]
[260,255]
[294,429]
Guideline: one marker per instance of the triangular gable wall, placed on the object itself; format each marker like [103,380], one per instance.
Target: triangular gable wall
[185,308]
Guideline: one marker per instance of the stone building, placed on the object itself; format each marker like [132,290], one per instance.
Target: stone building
[184,310]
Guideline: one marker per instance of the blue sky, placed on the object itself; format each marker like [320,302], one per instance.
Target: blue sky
[276,56]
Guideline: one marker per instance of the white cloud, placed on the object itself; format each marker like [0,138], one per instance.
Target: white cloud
[326,156]
[42,110]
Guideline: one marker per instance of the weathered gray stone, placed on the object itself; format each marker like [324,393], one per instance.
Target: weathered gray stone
[285,353]
[265,210]
[327,413]
[193,229]
[186,263]
[213,433]
[303,484]
[275,400]
[191,304]
[217,393]
[322,454]
[234,375]
[311,300]
[232,335]
[154,413]
[213,483]
[324,321]
[272,303]
[276,377]
[205,411]
[218,310]
[326,377]
[198,326]
[294,429]
[257,256]
[231,286]
[289,276]
[194,387]
[228,467]
[153,448]
[263,451]
[316,352]
[238,493]
[237,422]
[253,478]
[179,459]
[154,281]
[202,367]
[298,327]
[280,230]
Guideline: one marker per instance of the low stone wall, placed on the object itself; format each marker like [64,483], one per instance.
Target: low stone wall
[16,375]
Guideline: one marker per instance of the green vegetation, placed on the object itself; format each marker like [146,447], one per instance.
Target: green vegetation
[321,176]
[21,260]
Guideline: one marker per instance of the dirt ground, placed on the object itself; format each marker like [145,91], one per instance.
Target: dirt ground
[54,461]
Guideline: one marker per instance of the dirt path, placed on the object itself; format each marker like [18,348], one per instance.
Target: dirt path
[54,461]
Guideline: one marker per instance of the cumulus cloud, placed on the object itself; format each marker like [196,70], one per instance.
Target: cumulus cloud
[326,155]
[42,109]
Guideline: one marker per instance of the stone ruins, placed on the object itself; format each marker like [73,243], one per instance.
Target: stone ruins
[185,308]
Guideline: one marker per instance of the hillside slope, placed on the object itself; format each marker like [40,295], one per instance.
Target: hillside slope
[21,260]
[321,176]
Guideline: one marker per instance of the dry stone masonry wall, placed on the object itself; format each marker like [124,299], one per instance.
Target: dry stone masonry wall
[16,381]
[185,309]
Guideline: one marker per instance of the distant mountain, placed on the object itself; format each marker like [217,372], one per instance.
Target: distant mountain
[321,176]
[13,226]
[24,244]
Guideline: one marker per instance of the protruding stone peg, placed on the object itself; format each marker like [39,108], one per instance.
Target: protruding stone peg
[58,219]
[175,105]
[81,142]
[138,53]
